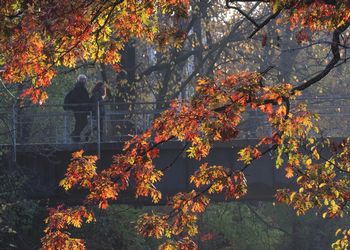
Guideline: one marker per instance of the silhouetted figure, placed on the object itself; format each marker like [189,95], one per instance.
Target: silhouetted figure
[98,96]
[78,100]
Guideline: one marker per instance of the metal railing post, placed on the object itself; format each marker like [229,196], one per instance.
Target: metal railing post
[98,131]
[14,134]
[105,127]
[65,128]
[91,121]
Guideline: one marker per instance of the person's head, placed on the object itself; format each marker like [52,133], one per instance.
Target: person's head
[100,88]
[81,81]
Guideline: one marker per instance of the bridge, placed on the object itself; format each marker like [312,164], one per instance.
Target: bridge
[38,138]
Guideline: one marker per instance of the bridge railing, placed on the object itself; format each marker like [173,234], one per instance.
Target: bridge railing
[334,114]
[51,124]
[116,122]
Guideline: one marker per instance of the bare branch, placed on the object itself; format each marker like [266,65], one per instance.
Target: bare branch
[336,58]
[264,23]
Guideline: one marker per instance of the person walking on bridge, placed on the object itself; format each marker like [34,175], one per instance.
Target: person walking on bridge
[78,100]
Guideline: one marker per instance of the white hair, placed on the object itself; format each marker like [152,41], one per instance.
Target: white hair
[81,80]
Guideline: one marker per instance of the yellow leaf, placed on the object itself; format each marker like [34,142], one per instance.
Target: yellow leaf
[89,218]
[315,154]
[279,161]
[311,140]
[65,184]
[292,196]
[336,192]
[308,162]
[322,185]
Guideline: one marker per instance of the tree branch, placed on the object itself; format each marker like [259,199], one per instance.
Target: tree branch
[242,13]
[336,58]
[264,23]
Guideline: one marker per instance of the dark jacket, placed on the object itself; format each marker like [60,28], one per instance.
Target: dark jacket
[80,95]
[97,97]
